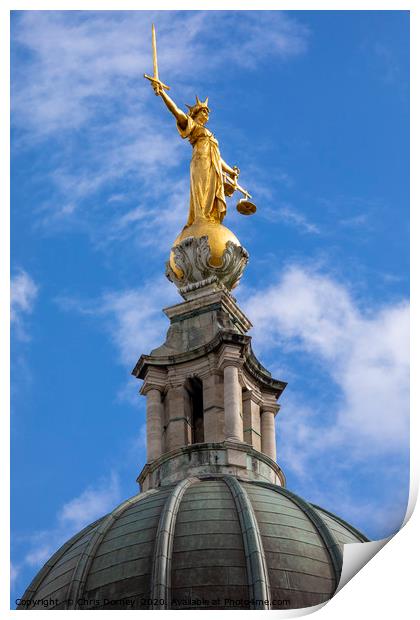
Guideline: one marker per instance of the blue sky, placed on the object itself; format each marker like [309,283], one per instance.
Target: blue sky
[313,107]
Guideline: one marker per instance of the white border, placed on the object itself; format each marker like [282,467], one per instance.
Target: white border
[388,584]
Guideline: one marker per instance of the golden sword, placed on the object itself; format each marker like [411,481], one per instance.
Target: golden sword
[155,77]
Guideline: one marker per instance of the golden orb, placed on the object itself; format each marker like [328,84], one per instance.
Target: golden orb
[218,235]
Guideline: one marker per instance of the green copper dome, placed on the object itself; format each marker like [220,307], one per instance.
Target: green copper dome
[206,542]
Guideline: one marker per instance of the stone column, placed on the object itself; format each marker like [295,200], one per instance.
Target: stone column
[233,420]
[154,423]
[178,430]
[213,411]
[268,431]
[252,419]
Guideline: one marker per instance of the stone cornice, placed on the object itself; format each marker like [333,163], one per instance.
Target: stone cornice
[251,364]
[163,361]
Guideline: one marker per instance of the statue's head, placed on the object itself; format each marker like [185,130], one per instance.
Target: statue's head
[200,110]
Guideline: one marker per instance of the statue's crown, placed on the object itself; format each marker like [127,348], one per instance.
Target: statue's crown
[199,105]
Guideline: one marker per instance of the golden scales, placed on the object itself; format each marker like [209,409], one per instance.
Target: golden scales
[244,206]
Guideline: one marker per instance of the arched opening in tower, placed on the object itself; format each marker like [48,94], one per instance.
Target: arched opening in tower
[195,391]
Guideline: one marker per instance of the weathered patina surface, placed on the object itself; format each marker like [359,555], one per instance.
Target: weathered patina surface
[207,542]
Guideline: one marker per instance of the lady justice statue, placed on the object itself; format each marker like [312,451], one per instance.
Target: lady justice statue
[207,196]
[211,180]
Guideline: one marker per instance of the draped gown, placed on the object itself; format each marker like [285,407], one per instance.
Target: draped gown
[207,197]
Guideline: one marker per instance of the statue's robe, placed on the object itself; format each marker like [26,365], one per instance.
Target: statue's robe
[207,196]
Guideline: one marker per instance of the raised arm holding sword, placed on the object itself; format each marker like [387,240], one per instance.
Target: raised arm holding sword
[211,178]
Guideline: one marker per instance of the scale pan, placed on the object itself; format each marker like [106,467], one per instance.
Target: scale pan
[229,188]
[246,207]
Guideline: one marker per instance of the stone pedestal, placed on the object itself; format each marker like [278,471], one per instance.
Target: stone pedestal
[206,252]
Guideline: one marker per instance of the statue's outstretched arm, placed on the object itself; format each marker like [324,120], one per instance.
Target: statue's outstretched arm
[181,117]
[232,171]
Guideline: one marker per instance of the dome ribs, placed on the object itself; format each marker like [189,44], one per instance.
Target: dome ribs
[326,535]
[325,514]
[81,571]
[208,563]
[258,581]
[48,566]
[209,541]
[162,557]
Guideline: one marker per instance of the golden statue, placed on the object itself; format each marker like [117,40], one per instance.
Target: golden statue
[211,178]
[207,196]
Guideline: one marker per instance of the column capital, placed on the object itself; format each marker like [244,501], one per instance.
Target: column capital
[148,387]
[269,403]
[236,363]
[252,395]
[273,408]
[229,355]
[155,379]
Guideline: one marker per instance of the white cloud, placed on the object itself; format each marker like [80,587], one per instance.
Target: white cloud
[132,317]
[139,442]
[148,226]
[80,84]
[365,352]
[79,57]
[14,573]
[295,218]
[91,504]
[388,69]
[23,293]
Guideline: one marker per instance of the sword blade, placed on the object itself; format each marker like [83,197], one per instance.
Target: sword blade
[155,62]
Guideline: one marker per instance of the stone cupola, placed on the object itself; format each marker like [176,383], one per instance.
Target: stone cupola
[211,405]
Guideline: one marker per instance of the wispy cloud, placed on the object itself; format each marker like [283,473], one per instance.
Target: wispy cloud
[390,69]
[23,293]
[14,573]
[351,435]
[297,219]
[91,504]
[78,86]
[383,513]
[80,57]
[133,318]
[364,351]
[355,221]
[352,211]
